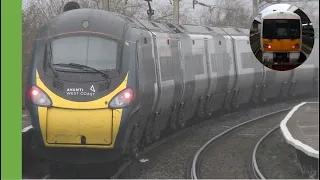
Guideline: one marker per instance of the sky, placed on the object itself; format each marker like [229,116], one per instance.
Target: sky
[313,16]
[198,8]
[281,7]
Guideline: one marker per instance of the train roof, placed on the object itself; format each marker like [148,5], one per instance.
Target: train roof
[281,15]
[72,21]
[102,21]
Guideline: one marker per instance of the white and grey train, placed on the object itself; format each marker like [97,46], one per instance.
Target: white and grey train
[173,72]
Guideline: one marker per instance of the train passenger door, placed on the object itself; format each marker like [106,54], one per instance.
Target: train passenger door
[209,68]
[146,74]
[233,71]
[183,85]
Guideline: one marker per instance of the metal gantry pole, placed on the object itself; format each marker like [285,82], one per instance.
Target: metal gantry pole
[150,11]
[255,7]
[176,11]
[105,4]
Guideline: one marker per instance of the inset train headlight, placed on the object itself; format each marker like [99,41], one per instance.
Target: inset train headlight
[39,97]
[122,99]
[267,46]
[297,46]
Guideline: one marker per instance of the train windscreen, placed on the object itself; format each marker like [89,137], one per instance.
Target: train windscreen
[281,29]
[96,52]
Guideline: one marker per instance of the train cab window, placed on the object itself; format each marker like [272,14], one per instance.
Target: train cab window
[268,29]
[96,52]
[281,29]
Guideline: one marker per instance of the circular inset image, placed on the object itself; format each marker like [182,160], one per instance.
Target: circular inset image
[282,37]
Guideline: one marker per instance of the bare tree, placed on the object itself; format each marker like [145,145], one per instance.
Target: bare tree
[164,13]
[233,13]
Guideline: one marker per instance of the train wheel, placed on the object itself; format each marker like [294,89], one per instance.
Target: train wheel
[148,130]
[181,122]
[173,118]
[227,102]
[235,102]
[207,107]
[263,97]
[133,142]
[201,107]
[283,93]
[155,133]
[292,88]
[255,96]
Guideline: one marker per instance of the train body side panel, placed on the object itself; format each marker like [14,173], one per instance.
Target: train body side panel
[147,79]
[199,65]
[246,78]
[248,59]
[188,74]
[170,76]
[306,75]
[233,72]
[276,83]
[222,71]
[147,74]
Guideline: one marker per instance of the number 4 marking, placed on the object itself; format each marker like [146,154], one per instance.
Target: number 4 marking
[92,88]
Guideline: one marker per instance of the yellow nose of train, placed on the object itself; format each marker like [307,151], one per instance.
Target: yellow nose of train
[283,45]
[66,123]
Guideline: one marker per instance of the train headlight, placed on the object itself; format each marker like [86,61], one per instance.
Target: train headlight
[267,46]
[39,97]
[295,46]
[122,99]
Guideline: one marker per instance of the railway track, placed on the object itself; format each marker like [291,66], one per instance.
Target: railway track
[194,171]
[126,170]
[255,166]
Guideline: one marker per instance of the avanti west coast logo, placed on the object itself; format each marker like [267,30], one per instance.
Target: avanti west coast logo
[81,91]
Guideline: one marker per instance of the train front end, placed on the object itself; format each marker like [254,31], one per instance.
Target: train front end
[80,91]
[281,39]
